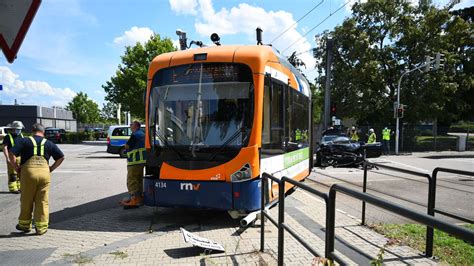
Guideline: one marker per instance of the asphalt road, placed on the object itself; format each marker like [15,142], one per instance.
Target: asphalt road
[92,180]
[88,176]
[454,193]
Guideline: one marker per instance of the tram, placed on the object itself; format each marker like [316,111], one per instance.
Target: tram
[216,119]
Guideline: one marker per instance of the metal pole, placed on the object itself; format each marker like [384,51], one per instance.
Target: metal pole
[397,131]
[262,216]
[431,208]
[327,91]
[364,189]
[330,221]
[281,220]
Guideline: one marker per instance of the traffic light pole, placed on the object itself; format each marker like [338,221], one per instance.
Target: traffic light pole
[397,131]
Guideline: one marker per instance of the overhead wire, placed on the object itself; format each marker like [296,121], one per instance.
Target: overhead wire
[317,25]
[287,29]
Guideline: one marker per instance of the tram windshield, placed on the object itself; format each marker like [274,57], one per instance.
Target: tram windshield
[201,106]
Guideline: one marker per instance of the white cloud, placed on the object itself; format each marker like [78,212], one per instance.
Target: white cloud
[134,35]
[187,7]
[32,92]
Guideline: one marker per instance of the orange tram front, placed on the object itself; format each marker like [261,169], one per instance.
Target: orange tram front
[217,118]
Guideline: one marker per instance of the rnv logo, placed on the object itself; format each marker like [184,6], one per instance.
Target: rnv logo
[189,186]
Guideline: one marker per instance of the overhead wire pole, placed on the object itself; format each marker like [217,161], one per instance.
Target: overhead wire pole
[327,91]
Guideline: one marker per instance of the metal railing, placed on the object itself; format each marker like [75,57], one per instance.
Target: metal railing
[280,224]
[330,200]
[428,220]
[431,196]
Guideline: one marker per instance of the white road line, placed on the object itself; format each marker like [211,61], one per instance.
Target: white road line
[85,148]
[72,171]
[403,164]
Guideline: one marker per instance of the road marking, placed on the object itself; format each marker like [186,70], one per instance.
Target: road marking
[73,171]
[403,164]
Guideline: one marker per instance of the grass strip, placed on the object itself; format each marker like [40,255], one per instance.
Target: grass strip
[447,248]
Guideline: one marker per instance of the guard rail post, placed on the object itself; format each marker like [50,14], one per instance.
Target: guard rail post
[330,221]
[263,185]
[281,220]
[364,189]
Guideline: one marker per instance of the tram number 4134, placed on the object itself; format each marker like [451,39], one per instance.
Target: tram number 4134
[160,184]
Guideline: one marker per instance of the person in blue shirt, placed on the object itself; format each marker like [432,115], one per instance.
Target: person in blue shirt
[136,159]
[35,178]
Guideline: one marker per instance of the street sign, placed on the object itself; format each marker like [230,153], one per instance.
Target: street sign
[15,19]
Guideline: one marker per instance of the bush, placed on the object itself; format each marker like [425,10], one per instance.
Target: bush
[78,137]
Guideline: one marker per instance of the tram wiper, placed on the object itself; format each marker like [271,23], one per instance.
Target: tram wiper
[160,136]
[239,131]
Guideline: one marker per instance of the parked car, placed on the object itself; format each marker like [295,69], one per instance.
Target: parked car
[3,133]
[100,133]
[117,137]
[56,135]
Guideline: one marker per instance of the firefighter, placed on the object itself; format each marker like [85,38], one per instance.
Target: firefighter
[372,136]
[353,135]
[136,158]
[35,177]
[10,140]
[386,140]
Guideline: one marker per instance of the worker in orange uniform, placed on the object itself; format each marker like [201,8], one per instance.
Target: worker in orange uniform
[136,158]
[10,140]
[35,177]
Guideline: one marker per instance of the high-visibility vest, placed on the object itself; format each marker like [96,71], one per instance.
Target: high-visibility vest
[12,140]
[354,136]
[372,138]
[137,155]
[386,134]
[298,135]
[35,146]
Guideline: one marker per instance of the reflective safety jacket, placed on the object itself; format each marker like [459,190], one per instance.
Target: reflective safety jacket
[354,136]
[137,152]
[372,138]
[35,147]
[12,139]
[386,134]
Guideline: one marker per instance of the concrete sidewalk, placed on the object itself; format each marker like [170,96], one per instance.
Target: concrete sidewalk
[152,236]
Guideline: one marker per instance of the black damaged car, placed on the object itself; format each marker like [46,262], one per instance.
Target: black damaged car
[340,151]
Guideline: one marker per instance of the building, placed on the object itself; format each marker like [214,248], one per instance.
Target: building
[30,114]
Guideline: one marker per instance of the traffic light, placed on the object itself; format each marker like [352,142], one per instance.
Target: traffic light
[439,59]
[428,63]
[333,109]
[400,111]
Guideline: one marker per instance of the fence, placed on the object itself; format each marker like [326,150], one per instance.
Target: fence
[431,210]
[330,200]
[420,137]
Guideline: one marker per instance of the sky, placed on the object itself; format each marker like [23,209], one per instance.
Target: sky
[75,45]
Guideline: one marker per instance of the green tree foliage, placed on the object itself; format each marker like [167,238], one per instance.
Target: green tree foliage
[384,38]
[109,112]
[128,85]
[84,109]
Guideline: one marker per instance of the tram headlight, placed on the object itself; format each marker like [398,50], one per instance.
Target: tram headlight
[245,173]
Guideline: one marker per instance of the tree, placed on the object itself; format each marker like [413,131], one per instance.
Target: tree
[128,85]
[384,38]
[84,109]
[109,112]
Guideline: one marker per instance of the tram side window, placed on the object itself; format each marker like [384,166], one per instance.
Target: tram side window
[273,131]
[299,125]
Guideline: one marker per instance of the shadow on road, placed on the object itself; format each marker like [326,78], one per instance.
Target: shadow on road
[105,215]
